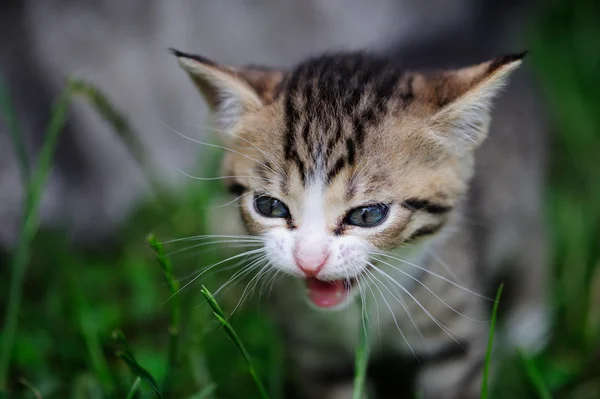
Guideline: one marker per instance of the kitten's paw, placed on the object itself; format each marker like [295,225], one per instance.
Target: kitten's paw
[528,329]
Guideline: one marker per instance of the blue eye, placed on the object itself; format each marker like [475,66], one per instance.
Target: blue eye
[367,216]
[270,207]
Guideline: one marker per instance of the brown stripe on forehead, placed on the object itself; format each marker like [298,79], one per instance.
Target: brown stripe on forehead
[324,95]
[376,181]
[336,169]
[291,114]
[365,184]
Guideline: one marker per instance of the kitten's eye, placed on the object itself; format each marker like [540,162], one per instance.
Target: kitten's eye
[367,216]
[270,207]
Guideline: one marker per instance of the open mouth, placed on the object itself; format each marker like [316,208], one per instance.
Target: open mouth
[327,294]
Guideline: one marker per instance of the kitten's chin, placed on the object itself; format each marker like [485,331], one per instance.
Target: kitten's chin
[329,295]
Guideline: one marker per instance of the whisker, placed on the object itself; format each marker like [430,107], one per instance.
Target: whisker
[216,146]
[249,289]
[202,237]
[376,309]
[265,284]
[237,264]
[444,265]
[266,154]
[433,274]
[248,243]
[276,278]
[433,318]
[369,274]
[194,253]
[431,292]
[233,200]
[400,302]
[219,177]
[255,251]
[365,315]
[245,270]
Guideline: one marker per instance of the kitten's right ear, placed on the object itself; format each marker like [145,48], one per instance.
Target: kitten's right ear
[230,92]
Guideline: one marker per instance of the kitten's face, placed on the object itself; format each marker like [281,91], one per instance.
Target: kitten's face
[346,156]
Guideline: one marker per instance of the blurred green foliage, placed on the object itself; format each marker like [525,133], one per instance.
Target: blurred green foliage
[75,297]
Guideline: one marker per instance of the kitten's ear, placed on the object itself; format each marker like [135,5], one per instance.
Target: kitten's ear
[230,92]
[463,100]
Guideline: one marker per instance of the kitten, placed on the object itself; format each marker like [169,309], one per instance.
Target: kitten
[355,175]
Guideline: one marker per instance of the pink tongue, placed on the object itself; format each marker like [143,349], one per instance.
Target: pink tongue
[325,294]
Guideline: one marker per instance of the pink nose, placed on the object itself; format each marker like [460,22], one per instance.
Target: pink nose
[311,263]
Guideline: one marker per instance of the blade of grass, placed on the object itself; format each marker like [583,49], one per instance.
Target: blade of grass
[140,371]
[108,112]
[534,375]
[118,121]
[8,113]
[488,355]
[30,222]
[206,392]
[218,312]
[120,339]
[36,392]
[134,388]
[88,327]
[126,354]
[175,324]
[361,358]
[198,367]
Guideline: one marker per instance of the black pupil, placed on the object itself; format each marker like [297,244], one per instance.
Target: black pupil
[367,216]
[271,207]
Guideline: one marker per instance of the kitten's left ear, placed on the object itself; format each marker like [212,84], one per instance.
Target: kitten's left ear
[230,92]
[463,100]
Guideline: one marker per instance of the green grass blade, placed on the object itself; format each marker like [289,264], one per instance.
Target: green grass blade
[120,339]
[102,105]
[206,392]
[218,312]
[34,391]
[126,354]
[361,359]
[490,345]
[8,113]
[134,388]
[140,371]
[30,219]
[535,376]
[120,124]
[175,324]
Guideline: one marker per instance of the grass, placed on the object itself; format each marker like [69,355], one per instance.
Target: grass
[33,189]
[61,302]
[361,357]
[235,339]
[490,345]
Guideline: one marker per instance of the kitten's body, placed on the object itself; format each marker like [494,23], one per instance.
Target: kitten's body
[352,132]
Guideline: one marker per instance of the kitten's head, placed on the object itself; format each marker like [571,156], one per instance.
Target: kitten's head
[346,155]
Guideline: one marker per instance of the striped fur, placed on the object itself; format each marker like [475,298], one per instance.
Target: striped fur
[347,130]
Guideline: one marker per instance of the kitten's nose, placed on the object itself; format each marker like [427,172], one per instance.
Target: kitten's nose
[310,261]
